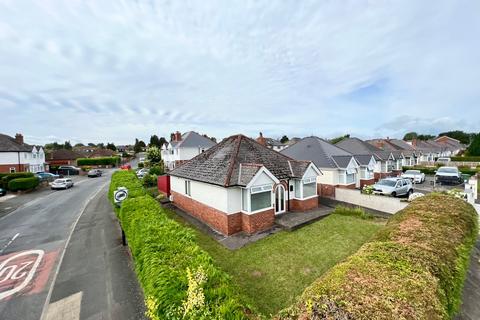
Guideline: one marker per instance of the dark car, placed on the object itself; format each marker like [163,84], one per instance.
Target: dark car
[68,170]
[47,176]
[2,192]
[448,175]
[94,173]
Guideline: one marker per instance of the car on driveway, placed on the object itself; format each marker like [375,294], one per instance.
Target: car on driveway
[46,176]
[94,173]
[68,170]
[443,160]
[393,187]
[63,183]
[2,192]
[416,176]
[448,175]
[142,172]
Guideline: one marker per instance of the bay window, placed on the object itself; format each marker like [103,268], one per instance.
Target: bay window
[257,198]
[305,188]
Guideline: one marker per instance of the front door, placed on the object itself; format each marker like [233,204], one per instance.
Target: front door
[279,199]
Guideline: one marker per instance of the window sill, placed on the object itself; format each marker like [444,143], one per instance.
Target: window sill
[257,211]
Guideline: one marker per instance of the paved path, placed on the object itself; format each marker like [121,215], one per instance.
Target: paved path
[33,238]
[470,309]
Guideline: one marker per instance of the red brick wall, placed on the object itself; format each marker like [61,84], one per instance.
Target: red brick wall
[348,186]
[365,182]
[326,190]
[5,168]
[252,223]
[377,175]
[303,205]
[218,220]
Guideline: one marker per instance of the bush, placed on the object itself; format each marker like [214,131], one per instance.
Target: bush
[466,159]
[104,161]
[468,170]
[156,170]
[11,176]
[86,168]
[149,180]
[178,278]
[413,269]
[23,184]
[141,165]
[352,212]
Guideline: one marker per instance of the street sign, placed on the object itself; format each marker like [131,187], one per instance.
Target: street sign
[120,194]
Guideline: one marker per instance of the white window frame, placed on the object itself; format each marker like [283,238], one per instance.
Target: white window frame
[13,169]
[188,188]
[255,190]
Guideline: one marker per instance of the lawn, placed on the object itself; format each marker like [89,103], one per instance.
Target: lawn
[272,272]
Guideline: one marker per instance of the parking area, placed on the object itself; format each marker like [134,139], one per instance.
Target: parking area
[428,186]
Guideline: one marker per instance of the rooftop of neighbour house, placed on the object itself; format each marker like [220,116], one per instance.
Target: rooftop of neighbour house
[359,147]
[10,144]
[320,152]
[236,160]
[190,139]
[63,154]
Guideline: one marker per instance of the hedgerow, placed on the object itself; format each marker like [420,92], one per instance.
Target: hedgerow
[466,159]
[11,176]
[413,269]
[23,184]
[178,278]
[98,161]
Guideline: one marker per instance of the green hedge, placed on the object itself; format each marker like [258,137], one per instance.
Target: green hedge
[23,184]
[104,161]
[413,269]
[466,159]
[10,176]
[432,170]
[164,253]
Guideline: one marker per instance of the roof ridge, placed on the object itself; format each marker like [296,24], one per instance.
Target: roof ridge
[233,160]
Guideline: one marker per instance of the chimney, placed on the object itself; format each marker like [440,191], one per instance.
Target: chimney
[262,140]
[19,138]
[172,137]
[178,136]
[388,138]
[414,142]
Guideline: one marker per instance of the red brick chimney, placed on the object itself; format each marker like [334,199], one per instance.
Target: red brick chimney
[261,140]
[414,142]
[19,138]
[178,136]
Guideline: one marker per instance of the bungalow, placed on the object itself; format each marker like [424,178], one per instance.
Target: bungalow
[240,185]
[453,145]
[17,156]
[271,143]
[63,157]
[383,159]
[339,167]
[183,147]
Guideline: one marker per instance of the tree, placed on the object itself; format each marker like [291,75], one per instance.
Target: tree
[474,148]
[67,145]
[101,145]
[79,144]
[425,137]
[461,136]
[338,139]
[154,155]
[111,146]
[90,144]
[156,141]
[410,136]
[284,139]
[138,146]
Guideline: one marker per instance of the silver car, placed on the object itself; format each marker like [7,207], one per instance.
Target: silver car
[63,183]
[394,187]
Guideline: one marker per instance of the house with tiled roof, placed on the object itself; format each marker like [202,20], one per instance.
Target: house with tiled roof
[384,160]
[451,144]
[271,143]
[17,156]
[339,167]
[62,157]
[239,185]
[183,147]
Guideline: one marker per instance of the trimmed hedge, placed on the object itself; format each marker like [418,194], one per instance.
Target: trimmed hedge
[431,170]
[174,272]
[23,184]
[104,161]
[413,269]
[11,176]
[466,159]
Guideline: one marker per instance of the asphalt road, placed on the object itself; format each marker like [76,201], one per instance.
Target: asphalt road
[40,279]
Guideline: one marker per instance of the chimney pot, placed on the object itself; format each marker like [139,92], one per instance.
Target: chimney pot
[19,138]
[178,136]
[262,140]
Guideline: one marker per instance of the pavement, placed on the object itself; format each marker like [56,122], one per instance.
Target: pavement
[61,257]
[470,309]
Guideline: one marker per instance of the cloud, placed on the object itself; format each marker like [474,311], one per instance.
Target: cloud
[130,69]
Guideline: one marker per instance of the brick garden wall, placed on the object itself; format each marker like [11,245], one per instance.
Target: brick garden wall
[303,205]
[261,221]
[365,182]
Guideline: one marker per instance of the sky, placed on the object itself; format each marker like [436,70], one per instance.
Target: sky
[113,70]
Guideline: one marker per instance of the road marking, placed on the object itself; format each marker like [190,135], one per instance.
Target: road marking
[7,197]
[66,309]
[49,295]
[9,243]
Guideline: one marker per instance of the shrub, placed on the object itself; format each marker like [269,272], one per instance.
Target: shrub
[11,176]
[141,165]
[103,161]
[353,212]
[156,170]
[466,159]
[149,180]
[413,269]
[166,258]
[86,168]
[23,183]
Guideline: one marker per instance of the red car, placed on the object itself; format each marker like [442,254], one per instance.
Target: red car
[126,167]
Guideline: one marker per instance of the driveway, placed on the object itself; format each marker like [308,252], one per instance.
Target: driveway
[33,238]
[428,186]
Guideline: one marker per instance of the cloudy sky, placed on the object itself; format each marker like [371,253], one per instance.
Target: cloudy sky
[115,70]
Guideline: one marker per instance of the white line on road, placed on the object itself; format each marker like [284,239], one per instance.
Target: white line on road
[9,243]
[50,290]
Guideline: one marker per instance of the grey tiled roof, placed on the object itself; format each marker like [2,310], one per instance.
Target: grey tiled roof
[9,144]
[342,161]
[363,159]
[317,150]
[234,160]
[273,142]
[357,146]
[191,139]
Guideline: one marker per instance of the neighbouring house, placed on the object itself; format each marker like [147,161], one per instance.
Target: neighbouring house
[396,154]
[411,156]
[183,147]
[239,185]
[271,143]
[101,153]
[62,157]
[383,159]
[453,145]
[339,167]
[85,151]
[367,163]
[17,156]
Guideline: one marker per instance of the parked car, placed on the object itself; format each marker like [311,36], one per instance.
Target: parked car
[2,192]
[63,183]
[126,167]
[443,160]
[94,173]
[416,176]
[46,176]
[448,175]
[68,170]
[394,187]
[142,172]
